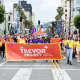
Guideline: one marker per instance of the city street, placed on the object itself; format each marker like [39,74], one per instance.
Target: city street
[39,70]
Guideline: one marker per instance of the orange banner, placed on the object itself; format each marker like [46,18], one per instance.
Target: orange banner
[19,52]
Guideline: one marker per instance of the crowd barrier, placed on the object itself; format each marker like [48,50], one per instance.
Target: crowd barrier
[24,52]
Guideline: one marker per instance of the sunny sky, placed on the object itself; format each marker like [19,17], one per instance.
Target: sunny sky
[45,10]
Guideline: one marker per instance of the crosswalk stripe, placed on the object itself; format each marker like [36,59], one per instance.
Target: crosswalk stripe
[60,75]
[23,74]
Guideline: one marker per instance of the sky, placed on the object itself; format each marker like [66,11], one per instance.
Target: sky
[45,10]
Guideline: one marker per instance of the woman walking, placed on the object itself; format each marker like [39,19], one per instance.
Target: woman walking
[77,44]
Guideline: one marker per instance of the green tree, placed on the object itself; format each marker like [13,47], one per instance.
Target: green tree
[2,12]
[57,17]
[77,22]
[28,23]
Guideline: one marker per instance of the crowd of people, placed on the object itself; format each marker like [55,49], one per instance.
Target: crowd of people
[71,47]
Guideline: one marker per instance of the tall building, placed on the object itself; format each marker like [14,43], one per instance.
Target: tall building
[33,19]
[76,8]
[65,17]
[66,6]
[27,8]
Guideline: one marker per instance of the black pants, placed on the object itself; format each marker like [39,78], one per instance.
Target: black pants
[74,53]
[2,48]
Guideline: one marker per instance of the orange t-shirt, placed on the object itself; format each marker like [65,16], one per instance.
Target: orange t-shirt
[2,40]
[54,40]
[9,40]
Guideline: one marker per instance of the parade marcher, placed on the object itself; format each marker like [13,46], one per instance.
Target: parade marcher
[26,39]
[2,46]
[74,50]
[69,46]
[9,39]
[30,40]
[15,39]
[35,40]
[77,44]
[45,40]
[22,40]
[41,40]
[49,39]
[64,46]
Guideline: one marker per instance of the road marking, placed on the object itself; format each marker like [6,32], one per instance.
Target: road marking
[54,65]
[57,65]
[60,75]
[1,64]
[23,74]
[28,65]
[44,68]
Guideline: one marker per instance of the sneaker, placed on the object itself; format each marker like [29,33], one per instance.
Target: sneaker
[76,56]
[64,58]
[78,61]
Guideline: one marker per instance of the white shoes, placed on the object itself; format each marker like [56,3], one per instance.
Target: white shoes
[78,61]
[64,58]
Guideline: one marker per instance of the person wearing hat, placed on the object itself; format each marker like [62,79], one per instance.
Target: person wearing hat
[21,40]
[69,47]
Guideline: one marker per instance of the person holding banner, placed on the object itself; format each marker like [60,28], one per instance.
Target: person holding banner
[2,46]
[22,40]
[45,40]
[9,39]
[41,40]
[35,40]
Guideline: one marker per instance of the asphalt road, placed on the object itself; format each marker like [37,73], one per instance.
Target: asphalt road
[39,70]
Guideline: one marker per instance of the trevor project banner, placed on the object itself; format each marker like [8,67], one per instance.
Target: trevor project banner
[18,52]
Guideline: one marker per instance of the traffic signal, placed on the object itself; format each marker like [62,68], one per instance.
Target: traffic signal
[20,19]
[41,26]
[52,23]
[38,22]
[8,26]
[9,18]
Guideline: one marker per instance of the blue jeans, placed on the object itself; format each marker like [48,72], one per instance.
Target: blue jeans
[69,54]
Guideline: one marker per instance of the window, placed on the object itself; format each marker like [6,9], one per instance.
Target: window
[65,16]
[0,2]
[65,10]
[65,2]
[65,5]
[78,1]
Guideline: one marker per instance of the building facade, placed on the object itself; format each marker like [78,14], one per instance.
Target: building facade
[33,19]
[66,6]
[1,2]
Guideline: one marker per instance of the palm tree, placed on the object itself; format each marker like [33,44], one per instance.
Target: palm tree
[19,9]
[60,12]
[59,15]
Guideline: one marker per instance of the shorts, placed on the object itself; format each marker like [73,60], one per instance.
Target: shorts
[78,50]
